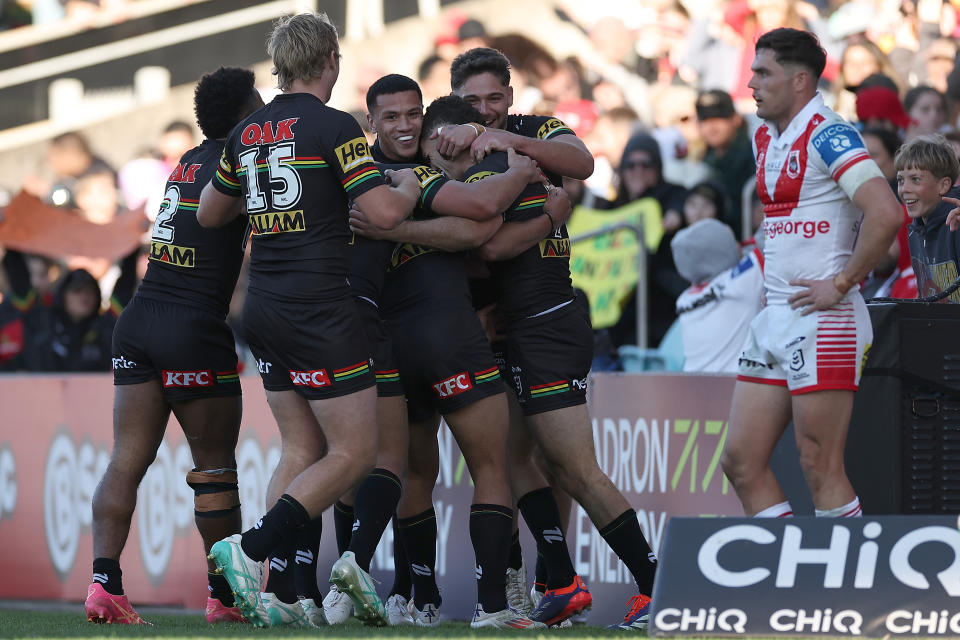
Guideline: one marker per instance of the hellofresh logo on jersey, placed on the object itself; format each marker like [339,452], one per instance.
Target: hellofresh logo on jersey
[548,127]
[480,175]
[352,154]
[426,175]
[277,222]
[173,254]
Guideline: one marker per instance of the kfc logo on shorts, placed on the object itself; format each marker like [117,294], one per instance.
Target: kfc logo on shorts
[187,378]
[315,379]
[453,385]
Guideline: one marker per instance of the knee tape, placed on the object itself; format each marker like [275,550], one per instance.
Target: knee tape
[215,492]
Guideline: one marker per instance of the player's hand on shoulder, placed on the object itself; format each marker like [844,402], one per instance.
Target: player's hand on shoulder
[817,295]
[558,204]
[953,218]
[452,139]
[519,162]
[489,141]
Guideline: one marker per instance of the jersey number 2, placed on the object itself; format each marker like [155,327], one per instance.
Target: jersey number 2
[163,227]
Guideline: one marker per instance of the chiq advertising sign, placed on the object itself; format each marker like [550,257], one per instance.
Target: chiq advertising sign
[873,577]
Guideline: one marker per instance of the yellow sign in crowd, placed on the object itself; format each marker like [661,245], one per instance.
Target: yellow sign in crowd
[605,266]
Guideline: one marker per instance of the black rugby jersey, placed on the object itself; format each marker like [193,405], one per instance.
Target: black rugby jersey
[418,275]
[542,128]
[297,162]
[190,264]
[539,278]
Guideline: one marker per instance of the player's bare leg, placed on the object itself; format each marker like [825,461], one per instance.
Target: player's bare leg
[302,440]
[759,415]
[821,420]
[481,433]
[565,438]
[140,416]
[212,426]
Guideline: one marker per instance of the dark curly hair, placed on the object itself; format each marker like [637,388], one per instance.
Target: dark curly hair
[448,110]
[222,99]
[476,61]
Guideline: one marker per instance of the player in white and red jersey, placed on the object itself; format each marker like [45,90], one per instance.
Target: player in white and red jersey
[830,216]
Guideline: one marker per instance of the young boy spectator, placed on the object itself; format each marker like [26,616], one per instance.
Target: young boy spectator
[926,169]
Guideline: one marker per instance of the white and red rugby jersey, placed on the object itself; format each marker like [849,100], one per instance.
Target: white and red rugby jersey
[806,178]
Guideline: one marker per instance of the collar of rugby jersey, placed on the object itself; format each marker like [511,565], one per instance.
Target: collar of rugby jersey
[797,126]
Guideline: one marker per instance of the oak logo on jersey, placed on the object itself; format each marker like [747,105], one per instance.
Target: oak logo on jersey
[480,175]
[254,133]
[555,248]
[187,378]
[277,222]
[454,385]
[315,379]
[184,173]
[549,126]
[173,254]
[352,154]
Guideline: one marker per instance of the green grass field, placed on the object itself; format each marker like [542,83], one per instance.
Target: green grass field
[22,623]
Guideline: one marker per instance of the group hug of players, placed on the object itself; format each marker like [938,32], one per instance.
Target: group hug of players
[388,285]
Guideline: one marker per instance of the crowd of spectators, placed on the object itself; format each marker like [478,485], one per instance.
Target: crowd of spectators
[659,96]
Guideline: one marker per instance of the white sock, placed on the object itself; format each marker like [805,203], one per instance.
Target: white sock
[781,510]
[850,510]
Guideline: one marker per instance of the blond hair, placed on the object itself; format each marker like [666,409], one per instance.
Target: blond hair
[300,46]
[930,153]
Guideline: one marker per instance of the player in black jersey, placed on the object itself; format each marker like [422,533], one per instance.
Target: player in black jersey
[172,351]
[444,361]
[481,76]
[295,163]
[550,382]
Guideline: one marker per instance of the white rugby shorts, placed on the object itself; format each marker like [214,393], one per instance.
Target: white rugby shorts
[816,352]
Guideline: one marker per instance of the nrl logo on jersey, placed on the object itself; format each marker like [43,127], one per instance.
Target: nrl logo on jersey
[173,254]
[793,163]
[277,222]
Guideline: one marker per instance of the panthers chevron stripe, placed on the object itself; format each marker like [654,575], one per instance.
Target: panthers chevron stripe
[352,371]
[549,389]
[487,375]
[531,202]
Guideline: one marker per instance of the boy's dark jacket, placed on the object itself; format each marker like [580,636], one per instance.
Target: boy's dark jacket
[935,250]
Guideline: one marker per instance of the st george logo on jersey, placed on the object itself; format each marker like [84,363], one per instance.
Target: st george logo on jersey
[793,163]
